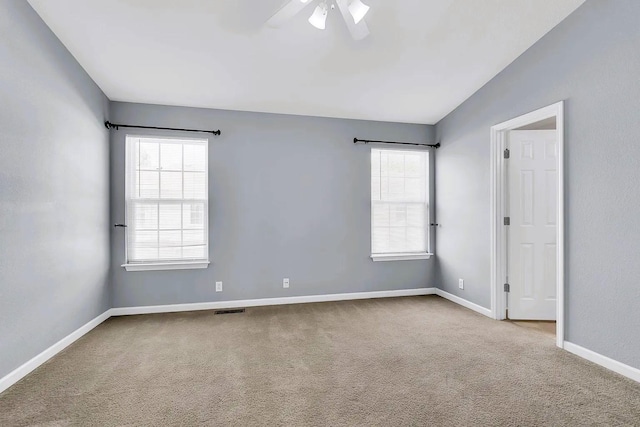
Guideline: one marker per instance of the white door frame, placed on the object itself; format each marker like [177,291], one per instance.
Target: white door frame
[498,236]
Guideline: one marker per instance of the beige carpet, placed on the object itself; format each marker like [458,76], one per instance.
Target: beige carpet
[392,362]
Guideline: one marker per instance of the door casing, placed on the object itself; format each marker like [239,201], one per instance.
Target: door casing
[498,207]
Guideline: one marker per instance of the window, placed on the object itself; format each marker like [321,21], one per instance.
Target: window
[166,203]
[399,204]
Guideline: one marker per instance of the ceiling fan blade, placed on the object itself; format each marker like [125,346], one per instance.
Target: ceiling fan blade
[358,31]
[286,12]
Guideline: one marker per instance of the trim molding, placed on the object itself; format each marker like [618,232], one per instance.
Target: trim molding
[399,257]
[599,359]
[584,353]
[174,308]
[17,374]
[463,302]
[498,135]
[155,266]
[20,372]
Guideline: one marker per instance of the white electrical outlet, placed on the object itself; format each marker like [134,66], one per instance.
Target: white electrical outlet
[218,286]
[461,283]
[285,283]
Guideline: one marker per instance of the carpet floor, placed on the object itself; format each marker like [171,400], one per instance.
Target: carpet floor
[389,362]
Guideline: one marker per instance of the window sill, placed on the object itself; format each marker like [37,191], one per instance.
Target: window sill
[166,266]
[400,257]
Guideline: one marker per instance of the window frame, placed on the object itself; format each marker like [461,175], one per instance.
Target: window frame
[151,265]
[403,256]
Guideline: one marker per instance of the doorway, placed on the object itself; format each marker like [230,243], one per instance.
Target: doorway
[527,211]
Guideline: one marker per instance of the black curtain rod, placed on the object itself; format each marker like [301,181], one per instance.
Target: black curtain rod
[367,141]
[110,125]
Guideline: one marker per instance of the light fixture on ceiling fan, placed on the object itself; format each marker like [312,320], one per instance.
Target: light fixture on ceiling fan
[358,10]
[319,17]
[353,12]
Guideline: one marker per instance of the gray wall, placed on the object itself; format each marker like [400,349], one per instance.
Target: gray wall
[54,190]
[591,60]
[289,197]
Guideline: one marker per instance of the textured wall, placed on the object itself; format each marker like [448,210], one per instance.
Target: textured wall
[591,60]
[289,196]
[54,190]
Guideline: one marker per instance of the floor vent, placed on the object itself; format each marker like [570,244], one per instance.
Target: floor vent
[230,311]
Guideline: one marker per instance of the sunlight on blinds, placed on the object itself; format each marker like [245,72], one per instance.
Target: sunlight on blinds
[166,199]
[399,201]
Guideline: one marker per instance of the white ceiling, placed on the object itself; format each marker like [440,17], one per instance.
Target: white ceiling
[423,58]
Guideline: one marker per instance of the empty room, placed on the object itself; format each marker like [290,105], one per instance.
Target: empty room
[319,212]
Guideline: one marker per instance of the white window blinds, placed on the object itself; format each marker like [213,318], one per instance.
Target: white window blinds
[399,202]
[166,200]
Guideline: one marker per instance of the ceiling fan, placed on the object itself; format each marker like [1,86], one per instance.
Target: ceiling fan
[353,12]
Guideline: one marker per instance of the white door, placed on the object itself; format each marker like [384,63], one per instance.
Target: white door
[531,235]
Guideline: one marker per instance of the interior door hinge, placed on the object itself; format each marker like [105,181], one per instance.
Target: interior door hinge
[507,287]
[507,153]
[507,220]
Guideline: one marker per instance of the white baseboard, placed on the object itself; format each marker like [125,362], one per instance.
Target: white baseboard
[20,372]
[599,359]
[173,308]
[463,302]
[592,356]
